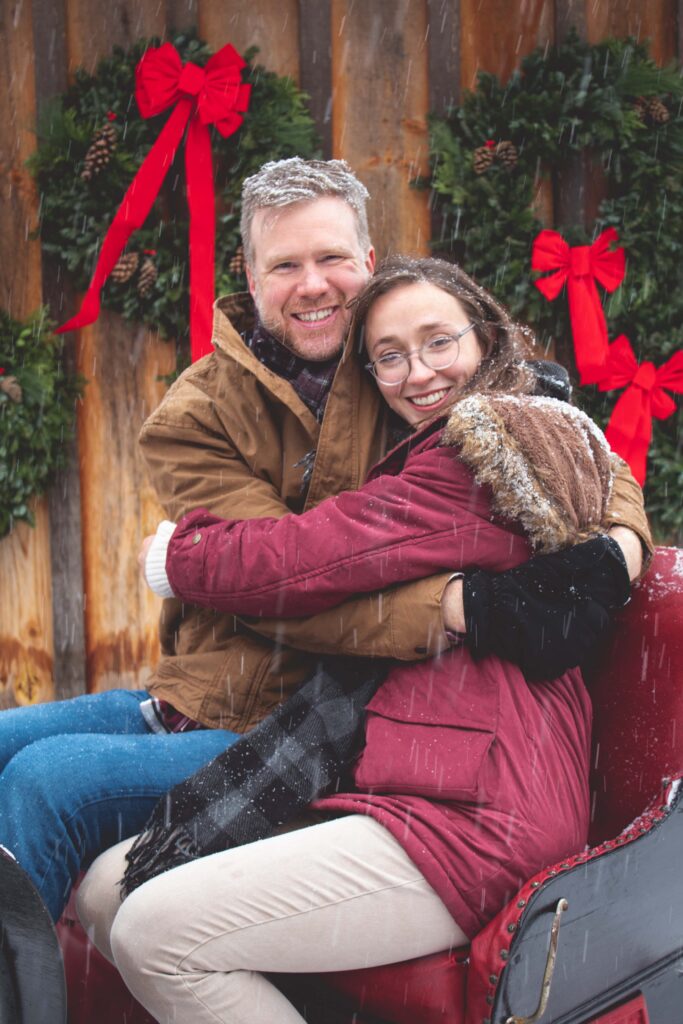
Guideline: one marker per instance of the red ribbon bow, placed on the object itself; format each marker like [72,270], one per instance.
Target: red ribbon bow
[214,95]
[579,268]
[629,430]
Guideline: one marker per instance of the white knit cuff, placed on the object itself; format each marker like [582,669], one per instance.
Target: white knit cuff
[155,562]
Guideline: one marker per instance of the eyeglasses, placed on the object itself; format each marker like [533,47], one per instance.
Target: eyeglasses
[437,354]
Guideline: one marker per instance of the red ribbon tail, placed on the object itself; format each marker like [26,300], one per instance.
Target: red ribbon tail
[132,212]
[589,329]
[200,199]
[629,430]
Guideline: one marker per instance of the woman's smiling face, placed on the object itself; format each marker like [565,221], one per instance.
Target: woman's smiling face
[404,320]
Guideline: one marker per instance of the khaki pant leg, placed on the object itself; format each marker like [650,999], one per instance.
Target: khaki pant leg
[341,895]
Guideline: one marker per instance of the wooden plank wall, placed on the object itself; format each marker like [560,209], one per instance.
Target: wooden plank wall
[373,71]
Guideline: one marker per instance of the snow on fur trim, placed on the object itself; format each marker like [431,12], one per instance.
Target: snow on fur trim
[547,464]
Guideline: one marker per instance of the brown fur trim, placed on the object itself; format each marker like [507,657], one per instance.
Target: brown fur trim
[547,464]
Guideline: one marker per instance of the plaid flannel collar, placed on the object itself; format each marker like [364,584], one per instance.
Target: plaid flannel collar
[311,381]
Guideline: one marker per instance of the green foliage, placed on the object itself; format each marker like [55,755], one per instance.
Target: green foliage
[563,101]
[35,422]
[75,213]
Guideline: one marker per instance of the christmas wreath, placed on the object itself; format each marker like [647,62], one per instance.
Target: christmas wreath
[489,158]
[37,400]
[93,141]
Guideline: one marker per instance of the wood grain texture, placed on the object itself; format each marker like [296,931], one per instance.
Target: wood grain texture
[181,14]
[315,66]
[64,496]
[26,646]
[570,15]
[26,642]
[20,290]
[380,103]
[272,25]
[444,55]
[118,507]
[94,27]
[656,20]
[496,34]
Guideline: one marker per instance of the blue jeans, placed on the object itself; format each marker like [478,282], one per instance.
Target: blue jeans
[79,775]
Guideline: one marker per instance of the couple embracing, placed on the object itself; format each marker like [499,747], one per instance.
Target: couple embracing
[466,772]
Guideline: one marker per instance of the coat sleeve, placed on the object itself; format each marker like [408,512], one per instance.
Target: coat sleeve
[428,519]
[627,508]
[404,623]
[192,463]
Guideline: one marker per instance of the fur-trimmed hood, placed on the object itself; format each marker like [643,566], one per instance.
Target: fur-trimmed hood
[547,464]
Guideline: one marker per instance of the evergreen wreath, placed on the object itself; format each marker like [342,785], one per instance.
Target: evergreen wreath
[93,140]
[488,157]
[37,403]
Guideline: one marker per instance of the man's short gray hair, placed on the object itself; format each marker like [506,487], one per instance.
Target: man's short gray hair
[284,182]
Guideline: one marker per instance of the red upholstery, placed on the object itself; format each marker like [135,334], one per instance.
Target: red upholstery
[427,990]
[638,738]
[96,993]
[638,700]
[632,1012]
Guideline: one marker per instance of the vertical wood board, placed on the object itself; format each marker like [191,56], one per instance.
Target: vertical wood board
[20,291]
[26,640]
[444,55]
[654,20]
[380,103]
[26,643]
[64,496]
[496,34]
[272,25]
[181,15]
[118,507]
[94,27]
[315,65]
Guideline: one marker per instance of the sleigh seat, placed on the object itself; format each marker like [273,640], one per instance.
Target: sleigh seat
[595,939]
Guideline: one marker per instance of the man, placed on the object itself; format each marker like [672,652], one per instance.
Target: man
[259,428]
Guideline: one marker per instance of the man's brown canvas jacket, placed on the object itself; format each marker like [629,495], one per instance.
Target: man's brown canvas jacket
[230,436]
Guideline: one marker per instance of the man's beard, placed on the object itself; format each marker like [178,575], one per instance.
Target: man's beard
[275,330]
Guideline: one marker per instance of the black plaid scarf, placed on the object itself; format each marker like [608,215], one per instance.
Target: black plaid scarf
[293,756]
[311,381]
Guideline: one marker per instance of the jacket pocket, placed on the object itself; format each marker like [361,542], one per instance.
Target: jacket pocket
[440,760]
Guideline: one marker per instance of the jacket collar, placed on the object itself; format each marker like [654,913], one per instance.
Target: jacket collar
[233,316]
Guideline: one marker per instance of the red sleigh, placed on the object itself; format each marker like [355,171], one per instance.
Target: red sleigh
[597,939]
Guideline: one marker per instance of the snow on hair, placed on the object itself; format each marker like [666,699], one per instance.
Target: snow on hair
[284,182]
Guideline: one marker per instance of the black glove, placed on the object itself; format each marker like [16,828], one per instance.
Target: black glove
[550,614]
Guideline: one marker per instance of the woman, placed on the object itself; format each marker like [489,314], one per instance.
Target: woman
[471,778]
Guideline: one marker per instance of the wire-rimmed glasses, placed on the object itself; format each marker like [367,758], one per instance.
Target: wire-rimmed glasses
[437,354]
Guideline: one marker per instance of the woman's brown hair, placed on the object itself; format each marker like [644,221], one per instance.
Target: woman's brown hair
[504,343]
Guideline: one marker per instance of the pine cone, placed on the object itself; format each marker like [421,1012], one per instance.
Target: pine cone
[656,111]
[125,267]
[640,107]
[100,151]
[506,152]
[483,158]
[12,388]
[148,275]
[651,110]
[237,264]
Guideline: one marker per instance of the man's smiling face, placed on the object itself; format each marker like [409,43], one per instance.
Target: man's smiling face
[308,264]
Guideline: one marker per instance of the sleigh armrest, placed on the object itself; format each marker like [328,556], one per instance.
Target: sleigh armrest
[620,927]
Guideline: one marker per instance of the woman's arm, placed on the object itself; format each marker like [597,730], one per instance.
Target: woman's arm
[430,518]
